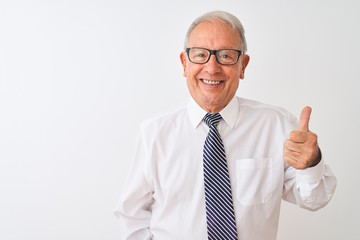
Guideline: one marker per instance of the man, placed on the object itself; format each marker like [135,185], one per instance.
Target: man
[208,176]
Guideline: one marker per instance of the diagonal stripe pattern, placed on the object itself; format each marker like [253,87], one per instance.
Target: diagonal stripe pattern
[220,216]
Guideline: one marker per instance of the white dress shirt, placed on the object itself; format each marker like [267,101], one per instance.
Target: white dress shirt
[163,197]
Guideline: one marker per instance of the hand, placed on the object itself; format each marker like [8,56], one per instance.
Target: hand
[301,150]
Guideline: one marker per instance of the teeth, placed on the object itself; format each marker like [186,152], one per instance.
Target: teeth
[211,82]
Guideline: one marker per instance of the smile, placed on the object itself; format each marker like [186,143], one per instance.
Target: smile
[211,82]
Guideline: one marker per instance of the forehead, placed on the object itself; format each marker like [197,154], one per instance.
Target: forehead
[214,35]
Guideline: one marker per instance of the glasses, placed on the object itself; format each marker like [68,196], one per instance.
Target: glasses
[223,56]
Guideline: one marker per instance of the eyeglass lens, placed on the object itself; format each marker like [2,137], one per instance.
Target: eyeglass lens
[224,56]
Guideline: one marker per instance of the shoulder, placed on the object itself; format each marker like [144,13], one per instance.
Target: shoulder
[166,121]
[262,110]
[256,106]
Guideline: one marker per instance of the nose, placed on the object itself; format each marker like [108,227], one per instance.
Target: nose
[212,66]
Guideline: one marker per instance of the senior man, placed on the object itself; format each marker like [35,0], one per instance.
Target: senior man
[218,167]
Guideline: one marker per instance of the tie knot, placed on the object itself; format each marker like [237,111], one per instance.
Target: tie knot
[212,119]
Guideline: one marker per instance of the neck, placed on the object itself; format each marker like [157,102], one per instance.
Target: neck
[211,108]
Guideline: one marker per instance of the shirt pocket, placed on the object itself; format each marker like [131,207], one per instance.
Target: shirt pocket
[254,180]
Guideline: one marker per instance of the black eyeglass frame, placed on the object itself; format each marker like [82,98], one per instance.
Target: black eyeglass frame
[213,52]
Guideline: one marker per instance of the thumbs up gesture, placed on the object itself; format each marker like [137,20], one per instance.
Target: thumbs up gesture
[301,150]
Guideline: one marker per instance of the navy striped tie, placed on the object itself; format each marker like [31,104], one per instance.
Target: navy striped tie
[220,216]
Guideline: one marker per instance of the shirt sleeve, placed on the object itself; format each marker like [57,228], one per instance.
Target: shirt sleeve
[136,199]
[311,188]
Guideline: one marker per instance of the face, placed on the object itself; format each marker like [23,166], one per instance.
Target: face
[213,85]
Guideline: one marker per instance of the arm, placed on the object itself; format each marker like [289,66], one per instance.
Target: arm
[311,188]
[308,182]
[134,207]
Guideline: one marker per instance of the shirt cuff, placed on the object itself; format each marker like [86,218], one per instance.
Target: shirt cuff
[312,174]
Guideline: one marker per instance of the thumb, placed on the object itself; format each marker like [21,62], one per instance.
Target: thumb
[304,119]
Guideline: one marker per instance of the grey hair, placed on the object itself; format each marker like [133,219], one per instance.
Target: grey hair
[225,17]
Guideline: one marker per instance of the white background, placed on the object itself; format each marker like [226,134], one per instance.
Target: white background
[78,77]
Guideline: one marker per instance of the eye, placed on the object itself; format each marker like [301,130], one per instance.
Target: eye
[225,56]
[200,55]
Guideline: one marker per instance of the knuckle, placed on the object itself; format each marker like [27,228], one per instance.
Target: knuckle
[287,160]
[293,134]
[287,143]
[314,140]
[315,136]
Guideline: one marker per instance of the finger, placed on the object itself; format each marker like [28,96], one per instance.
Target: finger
[292,146]
[292,154]
[299,136]
[292,162]
[304,119]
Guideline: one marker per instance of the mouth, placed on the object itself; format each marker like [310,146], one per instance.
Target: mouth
[210,82]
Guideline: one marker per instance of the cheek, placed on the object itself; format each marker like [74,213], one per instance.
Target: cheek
[234,77]
[192,71]
[233,86]
[233,82]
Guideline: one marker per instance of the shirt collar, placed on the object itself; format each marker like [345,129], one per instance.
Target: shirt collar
[228,113]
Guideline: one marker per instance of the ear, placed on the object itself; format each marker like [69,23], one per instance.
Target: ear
[183,60]
[244,62]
